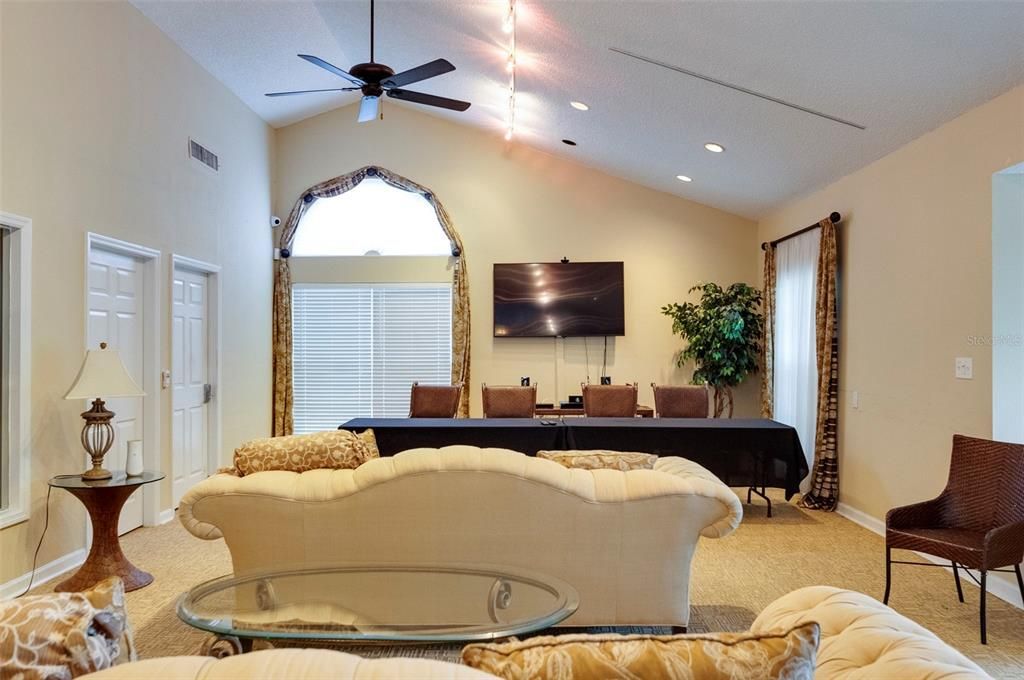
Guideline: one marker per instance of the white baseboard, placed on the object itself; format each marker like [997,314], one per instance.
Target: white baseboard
[165,516]
[45,573]
[1003,589]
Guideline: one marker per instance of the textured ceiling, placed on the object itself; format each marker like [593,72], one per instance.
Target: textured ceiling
[897,68]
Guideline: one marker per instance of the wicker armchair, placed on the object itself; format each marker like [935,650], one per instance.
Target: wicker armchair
[434,401]
[509,401]
[977,522]
[609,401]
[681,401]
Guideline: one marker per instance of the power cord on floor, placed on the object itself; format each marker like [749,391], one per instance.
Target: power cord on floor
[46,524]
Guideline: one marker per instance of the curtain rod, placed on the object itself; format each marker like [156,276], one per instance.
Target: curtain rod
[834,218]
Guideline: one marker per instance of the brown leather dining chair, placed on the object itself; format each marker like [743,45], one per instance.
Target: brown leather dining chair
[977,522]
[434,401]
[509,401]
[609,401]
[681,401]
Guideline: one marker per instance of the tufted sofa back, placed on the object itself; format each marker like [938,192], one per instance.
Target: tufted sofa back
[863,639]
[624,540]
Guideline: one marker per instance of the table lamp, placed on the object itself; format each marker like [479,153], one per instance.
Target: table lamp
[103,374]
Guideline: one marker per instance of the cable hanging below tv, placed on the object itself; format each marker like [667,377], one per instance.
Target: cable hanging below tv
[558,299]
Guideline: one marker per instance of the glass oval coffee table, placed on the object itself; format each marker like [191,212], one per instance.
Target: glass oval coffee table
[376,603]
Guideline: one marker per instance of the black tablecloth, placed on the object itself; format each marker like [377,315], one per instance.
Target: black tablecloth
[741,452]
[526,435]
[732,448]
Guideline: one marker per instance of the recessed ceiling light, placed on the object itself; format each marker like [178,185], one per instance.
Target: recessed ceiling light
[683,178]
[714,148]
[569,142]
[579,106]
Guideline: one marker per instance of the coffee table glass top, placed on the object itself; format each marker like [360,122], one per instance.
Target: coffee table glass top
[380,602]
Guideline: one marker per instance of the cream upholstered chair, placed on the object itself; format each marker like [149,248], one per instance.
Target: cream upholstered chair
[294,664]
[434,401]
[509,401]
[609,401]
[862,639]
[681,401]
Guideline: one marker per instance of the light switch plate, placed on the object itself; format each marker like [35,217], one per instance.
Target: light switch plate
[964,368]
[855,399]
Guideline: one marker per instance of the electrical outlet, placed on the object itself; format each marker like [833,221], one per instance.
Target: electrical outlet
[964,368]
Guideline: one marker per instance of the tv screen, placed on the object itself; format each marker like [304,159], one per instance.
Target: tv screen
[548,299]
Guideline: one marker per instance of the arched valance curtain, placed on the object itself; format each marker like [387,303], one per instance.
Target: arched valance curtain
[282,319]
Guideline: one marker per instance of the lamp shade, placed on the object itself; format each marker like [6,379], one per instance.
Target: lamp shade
[103,375]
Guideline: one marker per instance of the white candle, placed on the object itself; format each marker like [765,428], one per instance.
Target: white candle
[133,466]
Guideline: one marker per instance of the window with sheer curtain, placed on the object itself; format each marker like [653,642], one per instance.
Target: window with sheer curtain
[795,390]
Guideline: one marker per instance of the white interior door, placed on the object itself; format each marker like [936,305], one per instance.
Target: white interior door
[190,375]
[116,308]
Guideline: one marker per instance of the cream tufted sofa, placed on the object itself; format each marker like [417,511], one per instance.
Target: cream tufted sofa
[624,540]
[289,664]
[862,639]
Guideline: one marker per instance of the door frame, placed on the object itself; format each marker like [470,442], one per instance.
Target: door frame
[151,450]
[213,349]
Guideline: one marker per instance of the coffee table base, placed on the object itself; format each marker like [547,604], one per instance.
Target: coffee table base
[221,646]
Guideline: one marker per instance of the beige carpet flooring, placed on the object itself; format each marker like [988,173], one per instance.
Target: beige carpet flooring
[733,579]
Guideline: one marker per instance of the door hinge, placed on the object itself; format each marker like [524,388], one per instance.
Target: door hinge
[207,393]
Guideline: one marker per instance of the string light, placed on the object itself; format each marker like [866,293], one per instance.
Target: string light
[509,27]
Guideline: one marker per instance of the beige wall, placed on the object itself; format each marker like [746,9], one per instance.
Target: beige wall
[97,108]
[916,287]
[515,204]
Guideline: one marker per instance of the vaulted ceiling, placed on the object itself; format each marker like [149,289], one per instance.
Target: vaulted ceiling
[898,69]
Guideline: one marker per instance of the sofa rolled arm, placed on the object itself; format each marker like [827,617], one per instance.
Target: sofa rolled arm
[704,483]
[215,485]
[923,514]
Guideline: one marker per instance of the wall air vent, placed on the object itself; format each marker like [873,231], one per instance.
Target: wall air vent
[201,154]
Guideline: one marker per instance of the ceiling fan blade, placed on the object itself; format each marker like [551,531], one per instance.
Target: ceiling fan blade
[368,108]
[429,100]
[317,61]
[285,94]
[414,75]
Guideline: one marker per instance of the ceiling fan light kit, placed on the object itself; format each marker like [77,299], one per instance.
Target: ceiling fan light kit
[375,80]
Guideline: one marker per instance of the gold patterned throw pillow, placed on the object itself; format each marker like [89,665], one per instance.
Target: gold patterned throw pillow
[601,460]
[58,636]
[333,449]
[717,656]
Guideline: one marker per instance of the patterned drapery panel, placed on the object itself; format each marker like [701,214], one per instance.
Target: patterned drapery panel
[283,417]
[768,342]
[824,491]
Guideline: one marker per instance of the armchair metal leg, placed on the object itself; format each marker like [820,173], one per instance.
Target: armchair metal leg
[959,590]
[888,574]
[984,592]
[1020,580]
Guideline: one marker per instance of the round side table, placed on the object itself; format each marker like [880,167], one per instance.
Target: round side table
[104,499]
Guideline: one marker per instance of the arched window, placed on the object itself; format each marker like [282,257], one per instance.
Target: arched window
[374,218]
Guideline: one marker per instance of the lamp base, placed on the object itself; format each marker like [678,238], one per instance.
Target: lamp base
[96,474]
[97,437]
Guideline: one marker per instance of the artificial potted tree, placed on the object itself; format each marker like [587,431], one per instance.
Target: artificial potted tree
[723,334]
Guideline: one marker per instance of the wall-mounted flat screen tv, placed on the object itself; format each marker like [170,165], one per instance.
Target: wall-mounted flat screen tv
[555,299]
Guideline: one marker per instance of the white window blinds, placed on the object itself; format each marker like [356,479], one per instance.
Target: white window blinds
[358,348]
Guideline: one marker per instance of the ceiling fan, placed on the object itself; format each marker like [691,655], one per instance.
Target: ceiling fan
[375,79]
